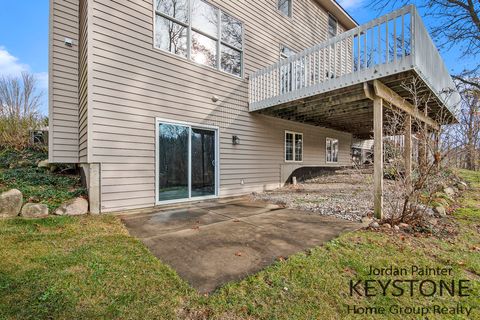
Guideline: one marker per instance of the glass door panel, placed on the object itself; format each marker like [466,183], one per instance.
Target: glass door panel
[203,171]
[173,162]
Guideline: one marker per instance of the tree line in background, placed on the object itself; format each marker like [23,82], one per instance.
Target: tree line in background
[20,101]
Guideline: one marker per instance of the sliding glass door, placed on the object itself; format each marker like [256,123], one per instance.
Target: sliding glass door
[187,164]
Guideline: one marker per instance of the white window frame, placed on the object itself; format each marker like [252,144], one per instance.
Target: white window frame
[332,18]
[327,140]
[191,29]
[190,125]
[289,9]
[294,146]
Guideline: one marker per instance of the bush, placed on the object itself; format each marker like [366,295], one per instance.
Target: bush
[29,157]
[18,170]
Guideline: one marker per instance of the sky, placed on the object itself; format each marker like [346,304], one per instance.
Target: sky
[24,39]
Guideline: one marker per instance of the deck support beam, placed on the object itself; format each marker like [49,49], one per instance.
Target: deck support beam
[408,152]
[396,100]
[378,156]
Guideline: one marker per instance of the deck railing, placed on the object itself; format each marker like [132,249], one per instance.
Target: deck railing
[390,44]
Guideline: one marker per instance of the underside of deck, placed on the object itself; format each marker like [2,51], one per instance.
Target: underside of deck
[350,109]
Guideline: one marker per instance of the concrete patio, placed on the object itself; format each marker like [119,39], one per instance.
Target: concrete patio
[212,243]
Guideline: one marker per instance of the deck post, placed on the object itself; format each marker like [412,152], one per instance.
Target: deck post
[408,152]
[378,156]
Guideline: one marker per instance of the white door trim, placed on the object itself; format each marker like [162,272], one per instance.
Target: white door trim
[190,125]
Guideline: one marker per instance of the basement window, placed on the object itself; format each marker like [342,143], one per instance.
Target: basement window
[293,146]
[332,150]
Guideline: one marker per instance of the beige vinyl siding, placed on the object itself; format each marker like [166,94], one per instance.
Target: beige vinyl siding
[132,83]
[83,82]
[63,81]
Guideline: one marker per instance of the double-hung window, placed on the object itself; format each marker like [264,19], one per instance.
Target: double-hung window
[293,146]
[285,7]
[198,31]
[332,150]
[332,26]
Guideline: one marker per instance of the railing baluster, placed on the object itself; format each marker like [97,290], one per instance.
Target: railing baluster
[403,36]
[395,40]
[365,52]
[380,60]
[387,44]
[372,54]
[359,64]
[334,72]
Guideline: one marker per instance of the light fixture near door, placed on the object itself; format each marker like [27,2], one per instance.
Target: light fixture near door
[235,140]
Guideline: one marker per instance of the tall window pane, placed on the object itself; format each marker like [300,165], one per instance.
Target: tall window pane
[329,150]
[298,147]
[332,26]
[232,31]
[285,7]
[177,9]
[204,50]
[335,151]
[204,17]
[288,147]
[171,36]
[231,60]
[173,162]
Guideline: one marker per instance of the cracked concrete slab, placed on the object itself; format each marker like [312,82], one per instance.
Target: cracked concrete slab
[211,245]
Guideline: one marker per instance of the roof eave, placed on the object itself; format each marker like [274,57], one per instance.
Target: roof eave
[340,13]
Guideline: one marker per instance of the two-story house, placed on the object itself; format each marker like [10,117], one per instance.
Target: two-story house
[163,101]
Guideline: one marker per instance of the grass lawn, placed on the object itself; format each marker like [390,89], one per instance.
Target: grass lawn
[90,268]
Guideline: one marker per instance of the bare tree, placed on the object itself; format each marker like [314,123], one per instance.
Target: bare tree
[464,137]
[410,197]
[20,100]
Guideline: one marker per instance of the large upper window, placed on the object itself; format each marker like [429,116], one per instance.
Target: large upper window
[332,150]
[293,146]
[198,31]
[285,7]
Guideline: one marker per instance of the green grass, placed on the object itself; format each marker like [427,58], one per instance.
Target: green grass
[90,268]
[18,170]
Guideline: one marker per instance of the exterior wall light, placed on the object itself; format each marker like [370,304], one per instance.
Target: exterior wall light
[68,42]
[235,140]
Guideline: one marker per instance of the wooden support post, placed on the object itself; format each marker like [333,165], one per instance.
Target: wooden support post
[378,156]
[408,152]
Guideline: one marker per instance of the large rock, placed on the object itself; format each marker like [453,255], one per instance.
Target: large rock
[10,203]
[74,207]
[449,191]
[441,211]
[34,210]
[43,164]
[462,186]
